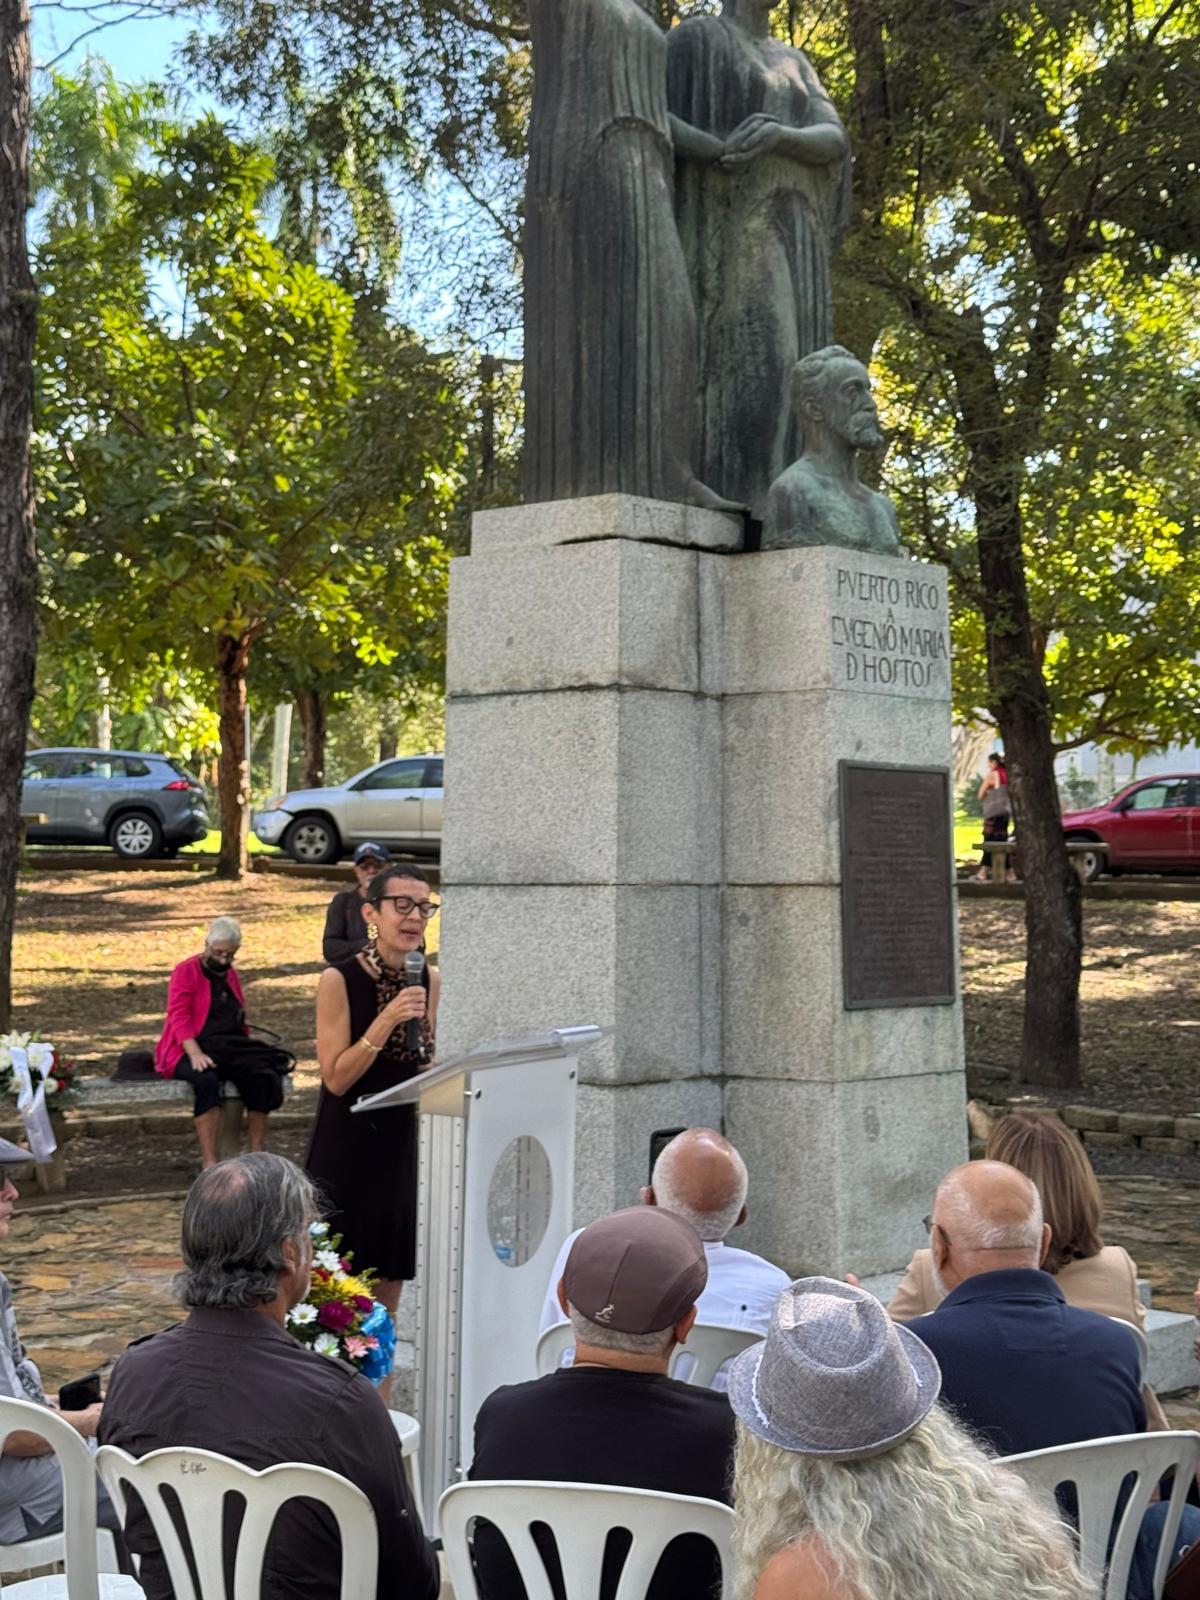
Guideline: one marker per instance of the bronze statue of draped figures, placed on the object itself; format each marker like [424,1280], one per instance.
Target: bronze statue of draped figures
[762,196]
[610,331]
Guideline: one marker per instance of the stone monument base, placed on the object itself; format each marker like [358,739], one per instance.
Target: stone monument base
[646,738]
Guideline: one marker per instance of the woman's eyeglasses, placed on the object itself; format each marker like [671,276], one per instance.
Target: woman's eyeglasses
[404,906]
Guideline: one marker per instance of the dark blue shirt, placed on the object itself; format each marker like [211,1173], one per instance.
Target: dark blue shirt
[1027,1371]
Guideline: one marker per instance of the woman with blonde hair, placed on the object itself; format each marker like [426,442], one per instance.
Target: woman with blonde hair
[851,1483]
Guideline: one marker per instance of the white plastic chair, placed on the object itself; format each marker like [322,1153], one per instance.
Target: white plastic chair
[580,1517]
[89,1556]
[201,1479]
[408,1431]
[709,1344]
[1143,1346]
[1098,1469]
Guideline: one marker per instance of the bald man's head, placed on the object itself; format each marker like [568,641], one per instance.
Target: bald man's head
[700,1177]
[987,1217]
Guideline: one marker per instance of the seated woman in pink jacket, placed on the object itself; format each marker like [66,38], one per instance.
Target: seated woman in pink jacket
[205,1041]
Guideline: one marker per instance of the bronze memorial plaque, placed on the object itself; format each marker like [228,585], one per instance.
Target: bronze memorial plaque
[897,886]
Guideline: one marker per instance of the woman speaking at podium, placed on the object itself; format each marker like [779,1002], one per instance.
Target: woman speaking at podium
[375,1028]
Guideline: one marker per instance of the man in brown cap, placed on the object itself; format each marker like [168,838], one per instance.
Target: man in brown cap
[630,1288]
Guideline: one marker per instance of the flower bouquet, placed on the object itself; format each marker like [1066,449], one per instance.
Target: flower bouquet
[30,1072]
[340,1316]
[54,1072]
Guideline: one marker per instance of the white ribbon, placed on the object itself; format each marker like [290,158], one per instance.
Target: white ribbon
[31,1104]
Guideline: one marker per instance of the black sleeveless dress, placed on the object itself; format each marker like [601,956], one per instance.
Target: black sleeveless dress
[366,1165]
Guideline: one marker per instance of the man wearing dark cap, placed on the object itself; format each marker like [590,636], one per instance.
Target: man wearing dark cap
[345,930]
[629,1287]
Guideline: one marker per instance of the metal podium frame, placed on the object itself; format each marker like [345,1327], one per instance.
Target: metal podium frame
[477,1308]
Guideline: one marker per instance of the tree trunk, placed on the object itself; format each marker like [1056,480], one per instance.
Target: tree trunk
[389,741]
[1053,903]
[312,720]
[233,781]
[18,560]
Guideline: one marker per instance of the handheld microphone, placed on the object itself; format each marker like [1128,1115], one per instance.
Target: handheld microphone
[414,971]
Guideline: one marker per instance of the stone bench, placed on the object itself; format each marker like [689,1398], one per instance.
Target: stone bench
[103,1094]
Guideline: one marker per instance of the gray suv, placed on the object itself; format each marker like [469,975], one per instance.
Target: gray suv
[397,803]
[140,805]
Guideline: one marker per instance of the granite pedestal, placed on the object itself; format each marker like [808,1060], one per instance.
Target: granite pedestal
[644,731]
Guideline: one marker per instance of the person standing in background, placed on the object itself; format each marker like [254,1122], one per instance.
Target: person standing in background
[997,811]
[345,930]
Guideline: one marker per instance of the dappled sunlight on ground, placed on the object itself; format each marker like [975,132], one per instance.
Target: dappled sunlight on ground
[1140,1001]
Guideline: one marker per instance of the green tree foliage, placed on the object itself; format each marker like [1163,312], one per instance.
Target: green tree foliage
[390,111]
[1018,261]
[232,450]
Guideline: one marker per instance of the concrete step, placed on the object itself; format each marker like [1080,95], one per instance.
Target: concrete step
[1171,1336]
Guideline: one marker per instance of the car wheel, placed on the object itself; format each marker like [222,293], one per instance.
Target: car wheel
[1093,864]
[136,835]
[313,841]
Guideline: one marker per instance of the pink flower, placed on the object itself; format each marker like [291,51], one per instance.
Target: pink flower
[336,1316]
[364,1302]
[345,1263]
[357,1348]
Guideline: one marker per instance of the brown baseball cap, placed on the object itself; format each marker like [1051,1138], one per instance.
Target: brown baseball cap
[639,1271]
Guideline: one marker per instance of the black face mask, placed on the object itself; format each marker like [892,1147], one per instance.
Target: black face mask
[216,965]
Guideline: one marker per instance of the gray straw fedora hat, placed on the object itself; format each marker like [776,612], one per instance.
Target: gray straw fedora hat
[835,1376]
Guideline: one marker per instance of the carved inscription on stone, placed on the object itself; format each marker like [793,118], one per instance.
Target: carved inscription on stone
[890,631]
[897,886]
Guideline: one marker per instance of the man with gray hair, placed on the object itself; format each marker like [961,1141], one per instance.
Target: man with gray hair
[630,1288]
[1019,1365]
[701,1177]
[232,1379]
[819,498]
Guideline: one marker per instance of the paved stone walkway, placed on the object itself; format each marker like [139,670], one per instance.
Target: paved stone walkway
[89,1277]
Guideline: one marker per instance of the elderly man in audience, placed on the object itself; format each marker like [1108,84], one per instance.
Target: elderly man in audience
[230,1378]
[700,1177]
[31,1493]
[1020,1367]
[630,1288]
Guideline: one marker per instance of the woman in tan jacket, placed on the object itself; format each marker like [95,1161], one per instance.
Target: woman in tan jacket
[1092,1275]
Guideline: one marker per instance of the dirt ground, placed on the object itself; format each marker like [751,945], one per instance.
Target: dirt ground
[94,951]
[1140,1002]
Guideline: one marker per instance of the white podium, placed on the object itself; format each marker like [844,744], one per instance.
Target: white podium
[494,1203]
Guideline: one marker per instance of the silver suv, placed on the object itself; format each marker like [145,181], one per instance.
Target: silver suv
[397,803]
[140,805]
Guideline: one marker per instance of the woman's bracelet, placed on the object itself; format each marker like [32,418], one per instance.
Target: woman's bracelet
[373,1048]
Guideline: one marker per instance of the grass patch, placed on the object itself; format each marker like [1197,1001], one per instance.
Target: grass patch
[968,831]
[212,841]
